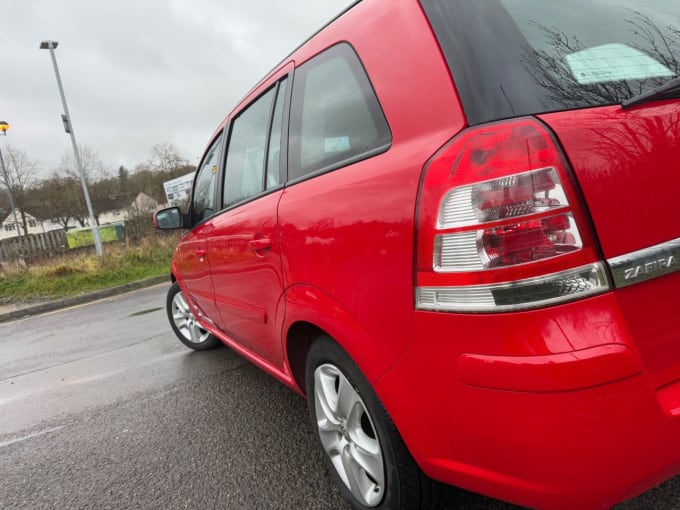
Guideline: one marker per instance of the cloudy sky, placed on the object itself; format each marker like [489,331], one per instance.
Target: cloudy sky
[139,72]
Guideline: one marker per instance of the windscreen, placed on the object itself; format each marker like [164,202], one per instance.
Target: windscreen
[520,57]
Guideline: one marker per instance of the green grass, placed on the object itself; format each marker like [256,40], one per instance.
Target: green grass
[70,275]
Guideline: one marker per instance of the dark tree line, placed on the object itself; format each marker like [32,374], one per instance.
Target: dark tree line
[60,198]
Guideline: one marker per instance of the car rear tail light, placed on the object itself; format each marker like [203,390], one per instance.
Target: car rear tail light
[501,226]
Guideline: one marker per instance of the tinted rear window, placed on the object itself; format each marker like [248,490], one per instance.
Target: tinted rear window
[335,117]
[520,57]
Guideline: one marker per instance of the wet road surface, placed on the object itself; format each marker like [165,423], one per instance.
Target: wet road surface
[100,407]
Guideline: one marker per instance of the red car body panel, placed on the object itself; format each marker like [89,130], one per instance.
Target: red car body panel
[627,165]
[626,162]
[570,406]
[246,271]
[570,420]
[356,246]
[194,270]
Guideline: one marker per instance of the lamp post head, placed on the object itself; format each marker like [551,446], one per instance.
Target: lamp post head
[49,45]
[3,127]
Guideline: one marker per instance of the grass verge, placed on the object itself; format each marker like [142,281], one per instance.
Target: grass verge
[70,275]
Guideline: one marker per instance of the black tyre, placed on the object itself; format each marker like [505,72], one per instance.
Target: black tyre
[362,449]
[184,323]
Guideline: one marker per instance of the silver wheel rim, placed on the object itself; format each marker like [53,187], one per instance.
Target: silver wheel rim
[347,434]
[185,321]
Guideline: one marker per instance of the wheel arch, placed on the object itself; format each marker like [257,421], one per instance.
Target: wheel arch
[301,336]
[312,312]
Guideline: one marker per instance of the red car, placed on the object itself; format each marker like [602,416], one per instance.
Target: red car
[454,226]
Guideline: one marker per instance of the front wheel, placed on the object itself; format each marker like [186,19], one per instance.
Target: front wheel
[362,448]
[184,323]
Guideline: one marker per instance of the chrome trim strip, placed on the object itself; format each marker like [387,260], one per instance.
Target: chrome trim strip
[536,292]
[643,265]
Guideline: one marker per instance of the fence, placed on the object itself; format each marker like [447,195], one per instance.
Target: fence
[47,243]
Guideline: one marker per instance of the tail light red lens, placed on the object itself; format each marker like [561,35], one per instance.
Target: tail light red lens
[529,241]
[498,206]
[519,195]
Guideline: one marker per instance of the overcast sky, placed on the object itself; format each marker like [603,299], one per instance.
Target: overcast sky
[139,72]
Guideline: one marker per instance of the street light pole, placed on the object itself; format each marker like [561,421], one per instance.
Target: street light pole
[68,127]
[3,128]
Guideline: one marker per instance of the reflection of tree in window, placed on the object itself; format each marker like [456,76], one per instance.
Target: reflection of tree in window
[517,57]
[549,63]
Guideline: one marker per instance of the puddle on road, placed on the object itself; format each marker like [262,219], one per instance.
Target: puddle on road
[144,312]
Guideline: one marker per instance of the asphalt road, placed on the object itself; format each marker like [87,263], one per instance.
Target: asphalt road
[100,407]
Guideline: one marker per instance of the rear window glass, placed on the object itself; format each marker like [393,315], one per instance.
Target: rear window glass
[521,57]
[335,116]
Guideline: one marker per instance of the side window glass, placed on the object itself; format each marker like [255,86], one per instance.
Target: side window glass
[335,116]
[244,171]
[274,149]
[203,196]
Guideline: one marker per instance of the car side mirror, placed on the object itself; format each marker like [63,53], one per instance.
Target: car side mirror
[168,219]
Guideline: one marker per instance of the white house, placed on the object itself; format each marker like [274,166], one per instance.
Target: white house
[119,212]
[34,225]
[142,204]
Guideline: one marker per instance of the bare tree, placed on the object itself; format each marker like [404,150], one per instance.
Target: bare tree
[165,158]
[148,177]
[97,177]
[93,167]
[60,198]
[21,171]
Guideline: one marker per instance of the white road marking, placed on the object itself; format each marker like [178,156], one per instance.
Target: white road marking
[30,436]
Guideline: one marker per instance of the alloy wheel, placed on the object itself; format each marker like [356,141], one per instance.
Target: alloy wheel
[347,434]
[185,321]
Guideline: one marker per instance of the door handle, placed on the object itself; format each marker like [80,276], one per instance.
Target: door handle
[261,244]
[201,254]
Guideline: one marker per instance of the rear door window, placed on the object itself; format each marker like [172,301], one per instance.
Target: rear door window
[335,115]
[245,166]
[519,57]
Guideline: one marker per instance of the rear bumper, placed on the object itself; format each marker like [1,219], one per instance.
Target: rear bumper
[548,409]
[550,372]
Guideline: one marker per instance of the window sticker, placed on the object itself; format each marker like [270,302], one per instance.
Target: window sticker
[337,144]
[614,62]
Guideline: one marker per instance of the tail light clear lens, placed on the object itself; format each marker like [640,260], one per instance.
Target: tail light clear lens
[505,213]
[506,245]
[499,199]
